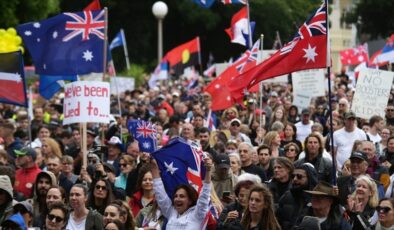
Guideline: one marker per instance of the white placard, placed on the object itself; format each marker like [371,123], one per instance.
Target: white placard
[121,84]
[309,82]
[372,93]
[302,101]
[86,101]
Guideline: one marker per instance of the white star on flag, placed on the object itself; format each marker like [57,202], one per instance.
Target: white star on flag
[146,145]
[28,33]
[54,35]
[87,55]
[310,53]
[170,167]
[37,25]
[217,86]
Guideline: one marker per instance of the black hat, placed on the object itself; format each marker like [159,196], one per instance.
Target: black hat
[222,161]
[109,167]
[359,155]
[91,131]
[26,151]
[305,112]
[349,115]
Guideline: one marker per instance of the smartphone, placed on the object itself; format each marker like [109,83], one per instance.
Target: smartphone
[226,194]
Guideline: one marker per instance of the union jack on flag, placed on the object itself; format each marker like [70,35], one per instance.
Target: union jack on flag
[54,46]
[251,58]
[315,25]
[180,163]
[85,25]
[145,133]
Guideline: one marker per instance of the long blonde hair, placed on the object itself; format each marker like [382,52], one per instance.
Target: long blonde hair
[374,199]
[55,147]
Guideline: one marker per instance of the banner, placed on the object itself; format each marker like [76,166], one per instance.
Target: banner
[372,93]
[86,101]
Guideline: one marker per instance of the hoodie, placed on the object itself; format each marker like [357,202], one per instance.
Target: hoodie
[6,208]
[40,213]
[17,219]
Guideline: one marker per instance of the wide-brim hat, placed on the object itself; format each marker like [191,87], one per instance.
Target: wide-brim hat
[322,189]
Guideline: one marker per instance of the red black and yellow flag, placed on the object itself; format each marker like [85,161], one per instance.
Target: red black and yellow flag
[185,55]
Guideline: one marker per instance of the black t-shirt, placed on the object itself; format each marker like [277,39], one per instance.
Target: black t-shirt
[256,170]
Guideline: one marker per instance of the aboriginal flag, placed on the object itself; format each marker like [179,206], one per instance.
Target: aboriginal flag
[187,54]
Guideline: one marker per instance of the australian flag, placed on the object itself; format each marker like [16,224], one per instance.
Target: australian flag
[145,133]
[66,44]
[180,163]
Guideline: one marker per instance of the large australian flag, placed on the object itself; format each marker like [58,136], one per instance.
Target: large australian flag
[180,163]
[145,133]
[66,44]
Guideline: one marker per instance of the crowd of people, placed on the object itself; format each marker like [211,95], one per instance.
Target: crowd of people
[267,167]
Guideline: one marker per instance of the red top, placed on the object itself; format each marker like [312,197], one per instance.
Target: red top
[25,179]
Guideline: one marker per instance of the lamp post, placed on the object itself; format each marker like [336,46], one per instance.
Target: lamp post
[160,10]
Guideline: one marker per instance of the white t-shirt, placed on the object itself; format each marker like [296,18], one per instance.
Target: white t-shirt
[374,138]
[344,141]
[72,225]
[303,130]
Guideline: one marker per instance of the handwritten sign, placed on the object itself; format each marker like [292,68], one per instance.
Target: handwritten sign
[309,82]
[121,84]
[372,92]
[86,101]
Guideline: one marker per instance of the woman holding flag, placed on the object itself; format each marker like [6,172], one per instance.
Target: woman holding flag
[187,210]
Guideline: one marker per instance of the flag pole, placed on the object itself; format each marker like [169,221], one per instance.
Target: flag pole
[199,55]
[261,85]
[249,29]
[30,113]
[105,42]
[84,146]
[126,53]
[328,64]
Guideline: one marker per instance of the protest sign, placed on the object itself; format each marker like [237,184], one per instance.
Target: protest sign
[372,93]
[121,84]
[86,101]
[309,82]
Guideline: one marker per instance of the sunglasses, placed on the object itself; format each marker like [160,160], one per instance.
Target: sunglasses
[98,187]
[57,219]
[235,124]
[390,110]
[382,209]
[298,176]
[123,165]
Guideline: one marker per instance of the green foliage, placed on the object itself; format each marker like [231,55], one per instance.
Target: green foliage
[137,72]
[14,12]
[375,15]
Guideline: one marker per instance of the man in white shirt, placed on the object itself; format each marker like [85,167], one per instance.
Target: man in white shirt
[345,137]
[304,127]
[376,123]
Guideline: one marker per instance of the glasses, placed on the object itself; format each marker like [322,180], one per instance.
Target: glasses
[235,124]
[390,110]
[57,219]
[98,187]
[290,150]
[123,165]
[382,209]
[298,176]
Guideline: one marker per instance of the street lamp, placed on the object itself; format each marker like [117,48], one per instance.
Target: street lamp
[160,10]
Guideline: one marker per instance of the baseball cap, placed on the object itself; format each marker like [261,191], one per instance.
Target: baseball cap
[161,96]
[274,94]
[251,101]
[349,115]
[114,141]
[305,111]
[359,155]
[26,151]
[222,161]
[24,206]
[91,132]
[175,94]
[235,120]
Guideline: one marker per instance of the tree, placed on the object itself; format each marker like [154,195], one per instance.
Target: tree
[374,17]
[14,12]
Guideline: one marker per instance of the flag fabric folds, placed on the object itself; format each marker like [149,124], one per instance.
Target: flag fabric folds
[117,41]
[66,44]
[12,79]
[94,5]
[183,56]
[238,30]
[160,73]
[180,163]
[354,56]
[387,54]
[145,133]
[226,2]
[307,50]
[204,3]
[222,97]
[374,60]
[49,84]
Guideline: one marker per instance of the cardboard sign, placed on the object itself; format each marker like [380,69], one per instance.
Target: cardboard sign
[86,101]
[121,84]
[372,92]
[309,82]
